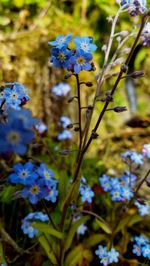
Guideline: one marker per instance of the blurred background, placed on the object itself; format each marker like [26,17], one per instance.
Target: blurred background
[26,26]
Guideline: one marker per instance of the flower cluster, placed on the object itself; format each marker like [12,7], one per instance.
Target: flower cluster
[120,189]
[72,60]
[85,191]
[145,37]
[141,246]
[27,222]
[134,7]
[17,131]
[14,96]
[107,257]
[61,89]
[39,182]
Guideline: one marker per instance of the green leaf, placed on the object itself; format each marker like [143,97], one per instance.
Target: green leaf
[2,257]
[94,240]
[104,226]
[47,229]
[44,243]
[127,222]
[73,231]
[74,253]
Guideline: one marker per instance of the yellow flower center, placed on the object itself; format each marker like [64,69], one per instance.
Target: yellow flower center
[80,60]
[13,137]
[61,56]
[34,190]
[46,174]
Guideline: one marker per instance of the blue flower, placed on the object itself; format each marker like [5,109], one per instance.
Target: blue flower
[80,61]
[135,7]
[36,216]
[86,194]
[137,250]
[52,194]
[146,150]
[35,191]
[66,134]
[14,136]
[23,174]
[107,257]
[85,44]
[133,157]
[65,121]
[101,251]
[116,194]
[28,229]
[141,240]
[146,251]
[113,255]
[61,89]
[60,57]
[47,174]
[127,193]
[142,208]
[82,229]
[61,41]
[106,183]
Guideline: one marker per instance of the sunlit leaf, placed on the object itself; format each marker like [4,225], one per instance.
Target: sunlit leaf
[47,229]
[104,226]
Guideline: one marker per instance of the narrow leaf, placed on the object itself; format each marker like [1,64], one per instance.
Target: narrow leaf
[104,226]
[47,229]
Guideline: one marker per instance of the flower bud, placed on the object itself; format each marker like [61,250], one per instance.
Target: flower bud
[120,109]
[137,74]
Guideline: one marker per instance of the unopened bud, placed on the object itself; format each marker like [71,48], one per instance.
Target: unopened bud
[70,126]
[137,74]
[120,109]
[94,135]
[64,152]
[67,76]
[141,201]
[148,182]
[124,68]
[89,84]
[76,129]
[70,99]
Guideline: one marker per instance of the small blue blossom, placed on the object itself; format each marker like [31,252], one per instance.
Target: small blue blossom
[14,136]
[85,44]
[41,127]
[60,57]
[65,121]
[145,36]
[113,255]
[127,193]
[61,41]
[116,194]
[142,246]
[61,89]
[142,208]
[137,250]
[52,194]
[47,174]
[146,150]
[128,179]
[80,61]
[23,174]
[86,193]
[101,251]
[82,229]
[134,7]
[146,251]
[107,257]
[65,134]
[35,191]
[105,182]
[133,157]
[28,229]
